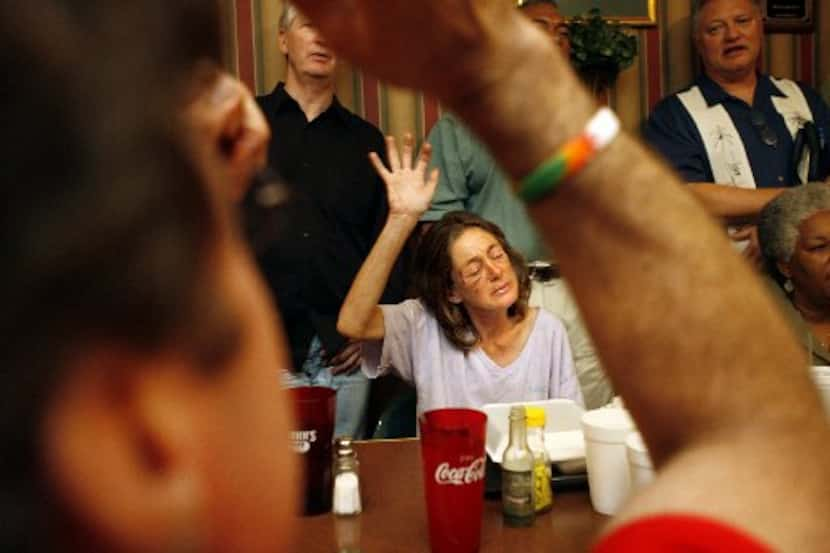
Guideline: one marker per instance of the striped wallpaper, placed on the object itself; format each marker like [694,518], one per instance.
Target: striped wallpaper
[666,64]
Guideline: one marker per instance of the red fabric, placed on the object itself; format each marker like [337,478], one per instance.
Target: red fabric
[680,534]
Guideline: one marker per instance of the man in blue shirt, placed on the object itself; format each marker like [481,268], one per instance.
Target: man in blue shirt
[733,133]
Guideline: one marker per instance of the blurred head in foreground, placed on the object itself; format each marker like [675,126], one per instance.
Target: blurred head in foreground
[140,410]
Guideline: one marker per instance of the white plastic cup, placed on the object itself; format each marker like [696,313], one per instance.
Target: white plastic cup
[639,462]
[605,432]
[821,377]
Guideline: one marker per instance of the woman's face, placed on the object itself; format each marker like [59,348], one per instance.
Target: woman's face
[809,267]
[482,275]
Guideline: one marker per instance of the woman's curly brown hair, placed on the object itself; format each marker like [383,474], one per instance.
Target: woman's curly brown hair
[433,275]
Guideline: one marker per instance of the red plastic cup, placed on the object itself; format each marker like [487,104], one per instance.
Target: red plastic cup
[452,451]
[312,439]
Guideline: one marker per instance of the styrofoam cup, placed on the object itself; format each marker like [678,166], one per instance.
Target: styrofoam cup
[608,476]
[639,462]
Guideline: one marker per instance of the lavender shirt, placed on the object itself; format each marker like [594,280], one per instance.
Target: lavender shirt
[416,348]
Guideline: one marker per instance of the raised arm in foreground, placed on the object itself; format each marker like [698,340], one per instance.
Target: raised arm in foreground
[709,370]
[409,191]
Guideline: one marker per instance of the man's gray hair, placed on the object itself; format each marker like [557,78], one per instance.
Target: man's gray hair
[697,5]
[526,3]
[779,220]
[289,12]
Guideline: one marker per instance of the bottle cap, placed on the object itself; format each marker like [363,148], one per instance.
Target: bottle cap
[517,412]
[535,417]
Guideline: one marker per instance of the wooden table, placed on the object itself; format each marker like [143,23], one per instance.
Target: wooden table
[394,513]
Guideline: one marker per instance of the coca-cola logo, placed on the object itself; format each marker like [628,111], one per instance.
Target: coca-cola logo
[460,476]
[301,440]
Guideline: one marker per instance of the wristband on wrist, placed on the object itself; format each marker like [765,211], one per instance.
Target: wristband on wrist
[572,157]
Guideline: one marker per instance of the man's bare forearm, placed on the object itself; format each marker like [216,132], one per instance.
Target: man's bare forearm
[520,109]
[656,279]
[732,203]
[710,371]
[685,331]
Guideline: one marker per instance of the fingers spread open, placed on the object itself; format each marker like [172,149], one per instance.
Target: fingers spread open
[424,157]
[380,168]
[392,153]
[406,154]
[432,182]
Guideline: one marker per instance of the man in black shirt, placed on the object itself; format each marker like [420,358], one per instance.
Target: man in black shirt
[334,210]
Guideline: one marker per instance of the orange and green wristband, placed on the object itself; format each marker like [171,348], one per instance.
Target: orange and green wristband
[571,158]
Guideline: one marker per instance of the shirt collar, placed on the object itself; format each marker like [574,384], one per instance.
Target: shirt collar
[282,99]
[714,94]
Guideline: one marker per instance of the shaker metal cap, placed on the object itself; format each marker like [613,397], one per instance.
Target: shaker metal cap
[343,446]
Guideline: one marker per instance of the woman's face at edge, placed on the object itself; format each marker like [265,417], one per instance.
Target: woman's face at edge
[809,266]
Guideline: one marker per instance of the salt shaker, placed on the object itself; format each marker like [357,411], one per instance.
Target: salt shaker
[346,500]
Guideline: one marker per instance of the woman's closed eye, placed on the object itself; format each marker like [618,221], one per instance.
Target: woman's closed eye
[473,270]
[496,253]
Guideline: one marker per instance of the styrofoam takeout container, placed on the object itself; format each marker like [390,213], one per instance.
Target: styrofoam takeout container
[563,434]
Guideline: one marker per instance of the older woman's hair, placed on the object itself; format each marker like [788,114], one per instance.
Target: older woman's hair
[433,275]
[779,220]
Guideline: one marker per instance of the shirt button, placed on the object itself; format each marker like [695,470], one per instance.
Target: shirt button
[306,235]
[780,179]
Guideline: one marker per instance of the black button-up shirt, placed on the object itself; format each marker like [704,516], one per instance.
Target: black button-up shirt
[317,239]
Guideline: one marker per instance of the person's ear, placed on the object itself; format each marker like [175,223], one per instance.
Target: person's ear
[282,41]
[121,448]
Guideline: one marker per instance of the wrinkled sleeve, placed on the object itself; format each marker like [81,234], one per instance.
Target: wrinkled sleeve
[564,382]
[672,133]
[395,351]
[556,297]
[453,191]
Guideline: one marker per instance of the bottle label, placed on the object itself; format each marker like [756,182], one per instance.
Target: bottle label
[541,483]
[517,494]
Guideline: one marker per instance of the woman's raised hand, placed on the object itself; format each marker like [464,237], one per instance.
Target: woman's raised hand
[408,187]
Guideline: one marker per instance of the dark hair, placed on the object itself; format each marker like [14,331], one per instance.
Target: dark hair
[433,275]
[107,227]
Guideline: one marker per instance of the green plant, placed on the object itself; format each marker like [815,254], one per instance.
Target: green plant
[600,48]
